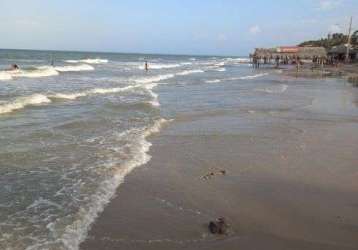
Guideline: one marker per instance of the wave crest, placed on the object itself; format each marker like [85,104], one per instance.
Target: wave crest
[21,102]
[161,66]
[189,72]
[42,71]
[89,61]
[151,79]
[75,68]
[274,89]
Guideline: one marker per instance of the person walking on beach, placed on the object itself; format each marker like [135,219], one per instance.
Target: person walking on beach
[254,61]
[146,66]
[277,59]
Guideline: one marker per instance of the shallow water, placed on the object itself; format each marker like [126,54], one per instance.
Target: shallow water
[71,132]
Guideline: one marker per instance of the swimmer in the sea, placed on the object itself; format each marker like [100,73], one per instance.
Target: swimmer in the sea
[14,67]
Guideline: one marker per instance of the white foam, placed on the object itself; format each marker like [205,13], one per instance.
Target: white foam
[155,99]
[253,76]
[42,71]
[213,81]
[35,99]
[43,202]
[220,69]
[220,64]
[73,96]
[274,89]
[89,61]
[22,102]
[189,72]
[247,77]
[5,76]
[75,233]
[186,63]
[239,60]
[160,66]
[75,68]
[151,79]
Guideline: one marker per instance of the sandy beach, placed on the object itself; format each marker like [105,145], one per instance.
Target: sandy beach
[290,179]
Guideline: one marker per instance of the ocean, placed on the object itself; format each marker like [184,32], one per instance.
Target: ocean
[70,132]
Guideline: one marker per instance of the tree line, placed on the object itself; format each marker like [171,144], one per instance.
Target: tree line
[332,40]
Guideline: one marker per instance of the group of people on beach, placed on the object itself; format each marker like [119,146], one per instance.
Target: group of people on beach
[292,60]
[258,60]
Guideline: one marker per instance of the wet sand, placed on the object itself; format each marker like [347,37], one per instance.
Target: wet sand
[289,184]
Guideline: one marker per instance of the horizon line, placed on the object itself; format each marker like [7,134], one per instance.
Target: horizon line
[126,53]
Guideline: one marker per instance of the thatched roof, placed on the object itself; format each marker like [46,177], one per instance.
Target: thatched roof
[302,52]
[342,49]
[309,52]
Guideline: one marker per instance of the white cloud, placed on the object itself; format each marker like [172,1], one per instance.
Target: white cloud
[328,4]
[255,30]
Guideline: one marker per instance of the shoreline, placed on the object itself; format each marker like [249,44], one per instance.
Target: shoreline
[271,200]
[347,72]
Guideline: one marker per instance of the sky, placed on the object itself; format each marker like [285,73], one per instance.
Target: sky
[200,27]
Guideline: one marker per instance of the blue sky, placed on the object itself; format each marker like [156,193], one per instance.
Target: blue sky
[215,27]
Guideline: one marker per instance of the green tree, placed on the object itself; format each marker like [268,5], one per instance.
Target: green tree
[333,40]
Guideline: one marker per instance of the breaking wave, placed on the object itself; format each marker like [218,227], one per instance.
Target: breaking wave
[220,69]
[237,78]
[189,72]
[160,66]
[239,60]
[147,83]
[213,81]
[220,64]
[151,79]
[73,96]
[89,61]
[75,68]
[5,76]
[42,71]
[274,89]
[22,102]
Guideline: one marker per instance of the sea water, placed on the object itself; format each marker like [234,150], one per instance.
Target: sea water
[74,124]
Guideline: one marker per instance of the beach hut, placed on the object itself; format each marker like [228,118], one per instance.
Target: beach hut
[339,53]
[312,52]
[291,52]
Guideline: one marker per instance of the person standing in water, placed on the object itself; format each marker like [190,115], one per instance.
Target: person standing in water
[14,67]
[52,61]
[146,66]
